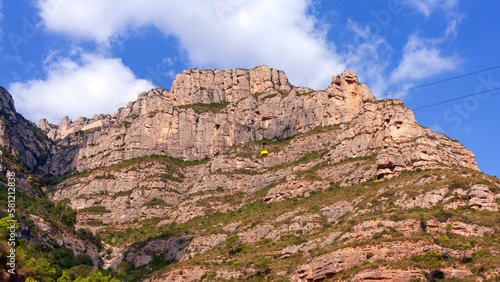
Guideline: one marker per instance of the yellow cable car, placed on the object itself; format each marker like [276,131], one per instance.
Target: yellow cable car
[264,152]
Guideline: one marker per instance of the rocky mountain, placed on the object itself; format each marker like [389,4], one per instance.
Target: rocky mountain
[353,188]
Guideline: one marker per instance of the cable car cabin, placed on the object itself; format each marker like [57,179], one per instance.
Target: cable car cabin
[264,152]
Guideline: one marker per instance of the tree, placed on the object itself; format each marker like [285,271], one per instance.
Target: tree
[79,271]
[96,276]
[262,265]
[374,202]
[69,217]
[66,214]
[4,252]
[41,269]
[84,259]
[64,278]
[432,260]
[64,257]
[4,223]
[445,242]
[464,247]
[64,203]
[233,244]
[423,223]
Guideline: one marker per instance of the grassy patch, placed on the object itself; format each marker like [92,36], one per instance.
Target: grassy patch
[155,202]
[263,192]
[172,162]
[204,108]
[122,193]
[168,176]
[315,155]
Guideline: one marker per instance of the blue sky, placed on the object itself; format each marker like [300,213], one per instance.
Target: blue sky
[82,57]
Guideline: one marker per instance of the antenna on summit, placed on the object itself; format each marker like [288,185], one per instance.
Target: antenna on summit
[305,78]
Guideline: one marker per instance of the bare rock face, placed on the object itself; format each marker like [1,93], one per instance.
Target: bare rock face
[46,126]
[430,198]
[327,266]
[388,275]
[482,198]
[336,210]
[202,244]
[255,234]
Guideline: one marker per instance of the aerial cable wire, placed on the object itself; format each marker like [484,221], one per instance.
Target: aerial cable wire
[441,81]
[455,99]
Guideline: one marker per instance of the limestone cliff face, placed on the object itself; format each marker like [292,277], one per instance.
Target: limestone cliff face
[206,112]
[21,137]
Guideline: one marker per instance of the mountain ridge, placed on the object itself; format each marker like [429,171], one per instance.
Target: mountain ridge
[206,112]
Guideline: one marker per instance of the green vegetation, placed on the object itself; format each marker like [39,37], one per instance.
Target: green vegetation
[122,193]
[155,202]
[60,215]
[204,108]
[304,159]
[67,215]
[159,262]
[233,244]
[170,162]
[42,263]
[7,154]
[168,176]
[105,176]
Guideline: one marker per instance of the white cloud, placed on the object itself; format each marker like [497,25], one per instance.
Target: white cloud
[421,59]
[369,54]
[88,85]
[424,57]
[219,33]
[427,7]
[454,20]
